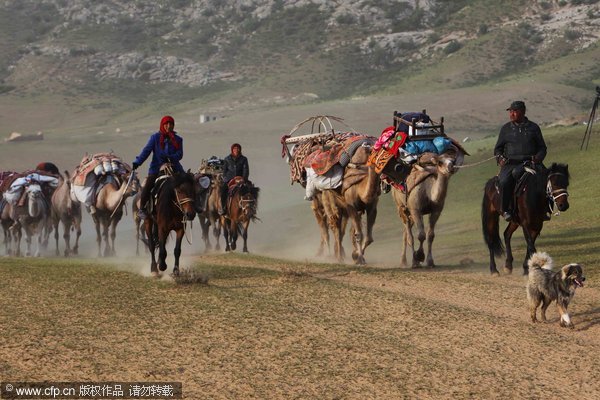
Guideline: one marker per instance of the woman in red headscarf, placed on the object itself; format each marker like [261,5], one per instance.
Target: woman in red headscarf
[166,146]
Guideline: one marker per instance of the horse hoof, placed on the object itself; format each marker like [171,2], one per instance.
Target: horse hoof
[155,274]
[162,267]
[495,273]
[176,272]
[507,270]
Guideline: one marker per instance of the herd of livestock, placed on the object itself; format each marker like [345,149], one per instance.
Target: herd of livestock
[343,174]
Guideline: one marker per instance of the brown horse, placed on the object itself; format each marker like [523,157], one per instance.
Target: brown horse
[241,209]
[539,192]
[174,207]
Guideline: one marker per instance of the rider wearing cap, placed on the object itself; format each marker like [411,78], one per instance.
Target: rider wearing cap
[520,141]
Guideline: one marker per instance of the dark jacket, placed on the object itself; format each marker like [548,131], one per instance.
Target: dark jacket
[160,156]
[521,142]
[233,167]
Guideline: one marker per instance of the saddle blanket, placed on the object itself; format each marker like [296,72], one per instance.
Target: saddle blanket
[322,160]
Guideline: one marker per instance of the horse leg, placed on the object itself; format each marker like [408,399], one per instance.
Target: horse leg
[162,249]
[148,227]
[177,250]
[233,234]
[433,218]
[530,238]
[508,232]
[245,235]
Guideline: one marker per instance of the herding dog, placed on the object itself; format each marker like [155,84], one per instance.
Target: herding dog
[545,286]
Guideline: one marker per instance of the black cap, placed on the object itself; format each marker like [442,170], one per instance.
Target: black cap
[516,105]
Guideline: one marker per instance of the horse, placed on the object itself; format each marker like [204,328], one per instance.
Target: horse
[539,191]
[174,207]
[241,209]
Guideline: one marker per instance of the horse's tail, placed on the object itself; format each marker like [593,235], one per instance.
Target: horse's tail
[489,222]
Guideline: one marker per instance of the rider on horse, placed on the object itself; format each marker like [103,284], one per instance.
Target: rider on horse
[235,164]
[520,141]
[166,146]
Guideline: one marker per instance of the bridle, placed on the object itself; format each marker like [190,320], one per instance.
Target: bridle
[555,194]
[179,202]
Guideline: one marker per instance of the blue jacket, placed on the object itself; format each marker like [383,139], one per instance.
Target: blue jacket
[159,156]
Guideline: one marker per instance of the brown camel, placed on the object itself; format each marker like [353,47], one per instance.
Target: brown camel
[67,211]
[210,214]
[32,217]
[7,222]
[109,204]
[140,231]
[426,196]
[358,195]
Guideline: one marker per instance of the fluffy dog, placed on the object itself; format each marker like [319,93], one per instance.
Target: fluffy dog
[545,286]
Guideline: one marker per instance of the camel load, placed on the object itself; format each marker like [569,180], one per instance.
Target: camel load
[412,146]
[93,172]
[332,167]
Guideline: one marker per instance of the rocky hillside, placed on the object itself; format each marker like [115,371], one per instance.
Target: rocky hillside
[298,49]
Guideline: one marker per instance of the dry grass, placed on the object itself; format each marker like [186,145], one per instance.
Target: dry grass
[346,332]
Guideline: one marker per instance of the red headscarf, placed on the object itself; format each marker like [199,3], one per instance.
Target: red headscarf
[164,133]
[236,145]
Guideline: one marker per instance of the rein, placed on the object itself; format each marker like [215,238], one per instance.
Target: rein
[131,176]
[179,203]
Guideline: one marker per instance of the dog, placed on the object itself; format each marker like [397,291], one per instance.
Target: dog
[545,286]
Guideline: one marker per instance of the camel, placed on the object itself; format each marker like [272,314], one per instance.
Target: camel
[32,217]
[358,195]
[7,222]
[424,198]
[67,211]
[110,200]
[140,231]
[210,215]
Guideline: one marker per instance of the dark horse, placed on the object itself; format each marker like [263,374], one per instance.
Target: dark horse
[537,194]
[174,207]
[241,209]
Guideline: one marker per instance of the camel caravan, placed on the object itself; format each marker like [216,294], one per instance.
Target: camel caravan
[345,172]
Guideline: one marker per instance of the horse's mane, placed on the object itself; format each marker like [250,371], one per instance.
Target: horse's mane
[536,186]
[559,168]
[167,192]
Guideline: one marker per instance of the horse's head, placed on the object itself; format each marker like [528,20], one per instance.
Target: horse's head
[557,183]
[248,200]
[184,187]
